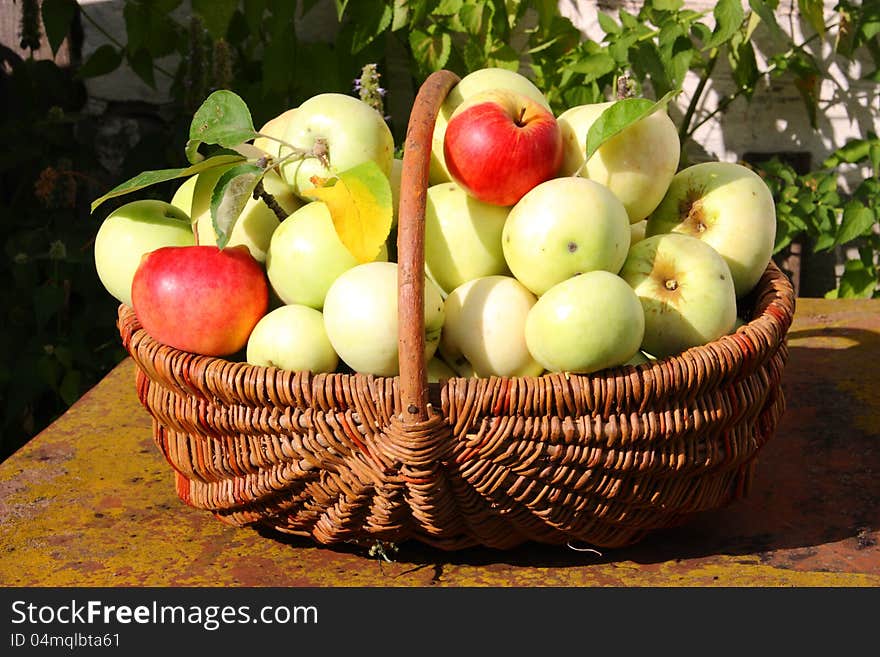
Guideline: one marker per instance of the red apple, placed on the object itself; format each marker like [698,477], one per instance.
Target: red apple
[499,144]
[200,298]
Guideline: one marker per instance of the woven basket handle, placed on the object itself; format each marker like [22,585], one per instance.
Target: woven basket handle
[411,244]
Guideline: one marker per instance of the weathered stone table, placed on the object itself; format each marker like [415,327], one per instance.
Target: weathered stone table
[90,502]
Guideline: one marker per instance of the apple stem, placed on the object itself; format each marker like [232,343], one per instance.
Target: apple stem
[261,193]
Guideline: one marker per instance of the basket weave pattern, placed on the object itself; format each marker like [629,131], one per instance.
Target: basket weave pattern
[601,459]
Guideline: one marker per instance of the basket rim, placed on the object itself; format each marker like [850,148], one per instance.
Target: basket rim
[759,337]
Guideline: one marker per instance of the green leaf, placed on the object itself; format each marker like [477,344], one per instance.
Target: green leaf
[745,67]
[765,13]
[369,24]
[857,281]
[447,8]
[594,66]
[621,115]
[400,16]
[813,10]
[141,63]
[223,119]
[857,221]
[431,51]
[728,19]
[69,390]
[104,60]
[668,5]
[233,190]
[360,205]
[608,24]
[147,178]
[216,14]
[57,18]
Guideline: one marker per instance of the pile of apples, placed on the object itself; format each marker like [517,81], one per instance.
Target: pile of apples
[535,259]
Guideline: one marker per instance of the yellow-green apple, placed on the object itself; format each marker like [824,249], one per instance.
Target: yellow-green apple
[394,180]
[200,298]
[292,337]
[305,256]
[274,127]
[462,236]
[499,144]
[636,164]
[484,328]
[585,324]
[637,231]
[360,314]
[438,370]
[563,227]
[474,82]
[183,195]
[729,207]
[686,291]
[257,222]
[352,131]
[129,232]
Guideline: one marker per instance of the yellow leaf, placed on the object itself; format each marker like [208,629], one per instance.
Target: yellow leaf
[359,200]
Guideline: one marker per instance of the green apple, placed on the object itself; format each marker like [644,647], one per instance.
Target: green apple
[353,132]
[462,236]
[131,231]
[293,338]
[562,227]
[637,164]
[183,195]
[729,207]
[275,127]
[637,231]
[360,314]
[585,324]
[305,256]
[257,222]
[483,79]
[686,290]
[394,180]
[485,320]
[438,370]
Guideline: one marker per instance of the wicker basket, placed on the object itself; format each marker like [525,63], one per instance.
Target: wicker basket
[600,459]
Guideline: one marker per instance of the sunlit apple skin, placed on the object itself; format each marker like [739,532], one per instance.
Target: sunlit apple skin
[131,231]
[637,232]
[199,298]
[462,237]
[585,324]
[360,314]
[305,256]
[183,195]
[686,290]
[293,338]
[354,133]
[729,207]
[485,325]
[637,164]
[563,227]
[257,222]
[500,144]
[474,82]
[274,127]
[394,181]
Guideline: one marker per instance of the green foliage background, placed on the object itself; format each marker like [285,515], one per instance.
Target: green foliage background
[58,332]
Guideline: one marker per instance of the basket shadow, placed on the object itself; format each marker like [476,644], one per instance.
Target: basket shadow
[814,483]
